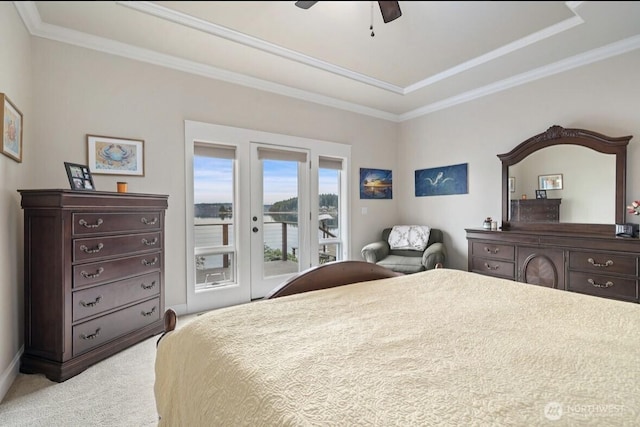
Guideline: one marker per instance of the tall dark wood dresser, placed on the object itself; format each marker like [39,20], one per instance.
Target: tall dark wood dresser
[535,210]
[93,276]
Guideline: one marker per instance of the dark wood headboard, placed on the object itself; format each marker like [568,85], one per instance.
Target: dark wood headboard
[330,275]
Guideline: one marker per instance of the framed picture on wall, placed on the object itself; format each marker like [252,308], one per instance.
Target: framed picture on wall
[79,177]
[376,183]
[550,182]
[11,129]
[442,180]
[108,155]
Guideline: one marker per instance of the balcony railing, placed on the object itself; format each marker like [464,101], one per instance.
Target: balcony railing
[218,235]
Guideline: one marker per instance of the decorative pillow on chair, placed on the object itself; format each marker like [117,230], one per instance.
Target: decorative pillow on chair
[414,237]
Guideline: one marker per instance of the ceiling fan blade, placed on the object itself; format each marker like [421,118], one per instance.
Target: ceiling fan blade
[308,4]
[390,10]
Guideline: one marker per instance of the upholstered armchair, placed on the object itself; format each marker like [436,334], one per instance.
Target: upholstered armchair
[405,260]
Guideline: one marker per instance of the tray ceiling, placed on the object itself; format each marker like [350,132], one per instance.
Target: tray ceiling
[437,54]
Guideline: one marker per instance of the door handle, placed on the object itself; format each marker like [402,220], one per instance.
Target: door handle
[255,229]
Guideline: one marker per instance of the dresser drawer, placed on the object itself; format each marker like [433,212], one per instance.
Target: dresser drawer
[492,267]
[103,329]
[102,247]
[493,250]
[105,271]
[87,223]
[603,285]
[602,263]
[96,300]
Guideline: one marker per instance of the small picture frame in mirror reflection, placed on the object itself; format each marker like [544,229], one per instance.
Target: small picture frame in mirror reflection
[550,182]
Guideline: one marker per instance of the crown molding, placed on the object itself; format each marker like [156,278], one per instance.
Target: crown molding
[174,16]
[497,53]
[29,14]
[37,28]
[31,18]
[595,55]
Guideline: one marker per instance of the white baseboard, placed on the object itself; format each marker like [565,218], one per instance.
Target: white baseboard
[10,374]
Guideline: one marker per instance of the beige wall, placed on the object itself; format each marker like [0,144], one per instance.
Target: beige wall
[83,92]
[15,82]
[603,97]
[588,192]
[77,92]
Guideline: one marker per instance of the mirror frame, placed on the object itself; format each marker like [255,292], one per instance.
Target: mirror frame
[557,135]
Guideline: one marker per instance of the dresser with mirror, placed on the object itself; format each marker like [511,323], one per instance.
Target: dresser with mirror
[579,251]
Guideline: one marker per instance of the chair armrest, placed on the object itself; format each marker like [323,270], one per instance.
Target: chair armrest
[435,253]
[376,251]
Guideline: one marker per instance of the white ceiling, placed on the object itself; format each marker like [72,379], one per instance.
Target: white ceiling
[437,54]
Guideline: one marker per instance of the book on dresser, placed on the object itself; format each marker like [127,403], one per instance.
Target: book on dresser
[93,276]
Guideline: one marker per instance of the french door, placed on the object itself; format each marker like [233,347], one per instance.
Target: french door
[254,211]
[279,215]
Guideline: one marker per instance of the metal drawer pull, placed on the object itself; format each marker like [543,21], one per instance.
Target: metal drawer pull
[143,286]
[148,313]
[92,276]
[150,242]
[91,304]
[90,336]
[145,262]
[154,221]
[491,268]
[95,250]
[495,251]
[87,225]
[600,285]
[608,263]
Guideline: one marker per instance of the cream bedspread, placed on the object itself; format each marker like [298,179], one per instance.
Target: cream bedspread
[441,347]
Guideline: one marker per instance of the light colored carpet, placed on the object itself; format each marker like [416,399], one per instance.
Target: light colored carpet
[117,391]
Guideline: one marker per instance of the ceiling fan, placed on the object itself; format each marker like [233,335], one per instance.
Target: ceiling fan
[390,9]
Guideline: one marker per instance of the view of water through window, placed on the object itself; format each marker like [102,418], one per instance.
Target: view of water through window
[214,209]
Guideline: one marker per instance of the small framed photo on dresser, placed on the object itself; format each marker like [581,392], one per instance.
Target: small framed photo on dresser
[79,177]
[541,194]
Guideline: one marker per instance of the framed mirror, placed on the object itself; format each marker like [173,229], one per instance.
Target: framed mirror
[583,174]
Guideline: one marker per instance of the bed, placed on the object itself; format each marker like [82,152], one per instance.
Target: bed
[440,347]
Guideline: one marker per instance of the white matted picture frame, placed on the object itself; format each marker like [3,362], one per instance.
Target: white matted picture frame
[108,155]
[11,119]
[550,182]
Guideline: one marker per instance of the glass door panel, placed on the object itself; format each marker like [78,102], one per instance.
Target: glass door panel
[280,217]
[278,243]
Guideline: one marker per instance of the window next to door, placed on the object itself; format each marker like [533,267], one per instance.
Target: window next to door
[213,224]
